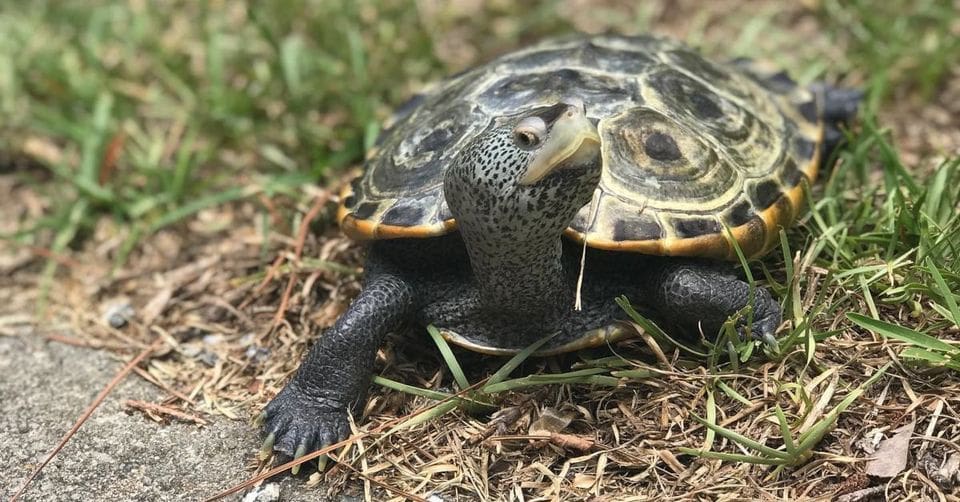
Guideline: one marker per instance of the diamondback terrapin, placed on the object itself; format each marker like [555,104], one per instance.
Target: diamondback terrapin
[480,195]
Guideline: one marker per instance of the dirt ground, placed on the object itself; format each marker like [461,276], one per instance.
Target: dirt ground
[117,455]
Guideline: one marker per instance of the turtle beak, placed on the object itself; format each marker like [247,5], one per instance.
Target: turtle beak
[573,138]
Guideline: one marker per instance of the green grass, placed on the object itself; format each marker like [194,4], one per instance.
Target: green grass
[795,451]
[890,238]
[900,43]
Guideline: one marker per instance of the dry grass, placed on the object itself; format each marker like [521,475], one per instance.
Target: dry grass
[212,286]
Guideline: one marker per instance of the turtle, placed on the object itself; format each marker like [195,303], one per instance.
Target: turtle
[634,158]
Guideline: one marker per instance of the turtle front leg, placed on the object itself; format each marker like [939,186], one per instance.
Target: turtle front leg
[691,297]
[311,411]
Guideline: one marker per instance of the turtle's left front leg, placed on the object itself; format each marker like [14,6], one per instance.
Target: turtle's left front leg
[311,411]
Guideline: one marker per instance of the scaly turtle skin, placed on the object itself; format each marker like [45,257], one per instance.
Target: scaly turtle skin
[636,146]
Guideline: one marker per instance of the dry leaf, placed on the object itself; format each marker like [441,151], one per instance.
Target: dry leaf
[891,457]
[550,421]
[584,481]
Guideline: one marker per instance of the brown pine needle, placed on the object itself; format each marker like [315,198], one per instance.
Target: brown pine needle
[298,252]
[271,273]
[163,410]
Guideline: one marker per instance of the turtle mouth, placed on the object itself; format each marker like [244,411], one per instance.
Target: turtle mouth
[573,141]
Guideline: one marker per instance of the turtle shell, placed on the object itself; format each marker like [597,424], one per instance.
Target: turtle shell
[691,148]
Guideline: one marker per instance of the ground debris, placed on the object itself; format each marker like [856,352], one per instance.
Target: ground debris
[891,456]
[155,411]
[863,494]
[942,468]
[267,492]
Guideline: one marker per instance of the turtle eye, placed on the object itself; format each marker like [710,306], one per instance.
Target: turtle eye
[529,133]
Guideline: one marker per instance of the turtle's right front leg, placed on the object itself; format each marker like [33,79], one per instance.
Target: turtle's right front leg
[694,297]
[311,411]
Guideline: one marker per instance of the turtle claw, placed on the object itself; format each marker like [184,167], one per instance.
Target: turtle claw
[766,320]
[322,460]
[267,448]
[296,423]
[770,341]
[301,451]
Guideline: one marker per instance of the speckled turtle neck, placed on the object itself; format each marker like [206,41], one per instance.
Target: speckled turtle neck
[511,230]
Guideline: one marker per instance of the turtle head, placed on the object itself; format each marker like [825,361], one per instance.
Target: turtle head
[526,172]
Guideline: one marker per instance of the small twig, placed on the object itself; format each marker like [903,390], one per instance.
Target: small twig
[270,207]
[86,414]
[567,441]
[163,410]
[578,303]
[73,341]
[109,162]
[225,305]
[860,494]
[267,278]
[163,386]
[671,460]
[298,253]
[572,442]
[424,453]
[594,209]
[499,423]
[61,259]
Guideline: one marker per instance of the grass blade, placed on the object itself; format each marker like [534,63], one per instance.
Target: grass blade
[902,334]
[652,328]
[733,394]
[785,430]
[471,405]
[741,439]
[505,370]
[712,419]
[944,290]
[409,389]
[533,380]
[448,357]
[813,436]
[439,411]
[733,457]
